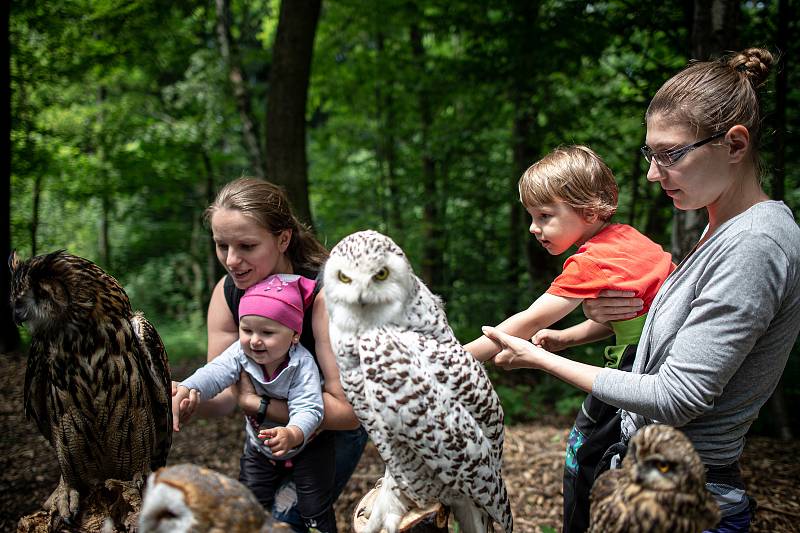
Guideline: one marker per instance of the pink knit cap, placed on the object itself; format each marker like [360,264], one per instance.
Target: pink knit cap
[281,297]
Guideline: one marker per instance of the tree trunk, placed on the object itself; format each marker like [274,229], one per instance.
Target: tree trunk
[781,90]
[9,335]
[103,244]
[212,264]
[230,55]
[37,198]
[432,264]
[635,172]
[286,163]
[777,404]
[714,30]
[539,264]
[385,151]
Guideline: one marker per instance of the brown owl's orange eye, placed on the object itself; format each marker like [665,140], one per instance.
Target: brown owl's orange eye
[381,274]
[343,278]
[663,467]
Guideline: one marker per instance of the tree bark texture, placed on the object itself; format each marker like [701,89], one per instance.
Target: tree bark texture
[432,254]
[714,30]
[9,335]
[385,149]
[230,54]
[777,403]
[781,90]
[286,162]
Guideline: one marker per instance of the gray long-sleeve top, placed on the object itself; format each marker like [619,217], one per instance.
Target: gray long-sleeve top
[717,336]
[298,383]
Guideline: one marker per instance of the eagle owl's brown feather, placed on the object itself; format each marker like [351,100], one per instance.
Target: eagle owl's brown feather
[660,488]
[97,383]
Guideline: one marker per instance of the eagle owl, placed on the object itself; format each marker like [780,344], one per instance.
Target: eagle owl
[188,498]
[428,406]
[97,382]
[659,488]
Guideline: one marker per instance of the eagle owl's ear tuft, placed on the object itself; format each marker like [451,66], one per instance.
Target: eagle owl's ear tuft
[13,260]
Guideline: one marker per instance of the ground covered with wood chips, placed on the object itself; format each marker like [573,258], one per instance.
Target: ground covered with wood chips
[533,462]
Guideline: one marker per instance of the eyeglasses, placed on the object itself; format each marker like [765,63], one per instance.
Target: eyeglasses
[667,158]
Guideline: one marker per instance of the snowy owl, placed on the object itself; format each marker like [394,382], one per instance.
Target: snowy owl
[428,406]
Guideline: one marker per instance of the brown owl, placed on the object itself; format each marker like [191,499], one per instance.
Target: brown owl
[188,498]
[97,383]
[659,488]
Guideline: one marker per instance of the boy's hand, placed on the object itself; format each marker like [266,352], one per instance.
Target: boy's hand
[549,339]
[281,439]
[184,402]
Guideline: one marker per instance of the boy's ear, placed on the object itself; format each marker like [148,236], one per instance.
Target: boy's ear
[590,215]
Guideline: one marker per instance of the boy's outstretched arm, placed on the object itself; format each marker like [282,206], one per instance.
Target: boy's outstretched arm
[555,340]
[545,311]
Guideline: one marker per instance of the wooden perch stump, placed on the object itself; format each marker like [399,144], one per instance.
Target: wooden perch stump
[117,501]
[431,519]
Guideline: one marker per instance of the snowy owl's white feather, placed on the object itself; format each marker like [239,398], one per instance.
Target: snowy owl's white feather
[428,406]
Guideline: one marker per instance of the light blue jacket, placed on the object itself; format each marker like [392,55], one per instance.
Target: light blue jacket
[299,384]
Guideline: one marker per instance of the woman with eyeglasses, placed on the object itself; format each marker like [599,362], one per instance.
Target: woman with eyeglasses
[721,327]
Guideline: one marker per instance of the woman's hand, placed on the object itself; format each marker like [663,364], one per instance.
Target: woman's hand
[281,439]
[612,306]
[247,398]
[184,403]
[514,352]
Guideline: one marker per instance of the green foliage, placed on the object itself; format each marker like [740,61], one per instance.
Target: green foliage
[124,124]
[183,341]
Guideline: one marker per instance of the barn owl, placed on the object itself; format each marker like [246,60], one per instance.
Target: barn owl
[428,406]
[187,498]
[659,488]
[97,381]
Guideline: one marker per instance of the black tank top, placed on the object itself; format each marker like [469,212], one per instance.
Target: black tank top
[233,295]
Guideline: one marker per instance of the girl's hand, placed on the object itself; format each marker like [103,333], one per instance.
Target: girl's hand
[281,439]
[514,352]
[184,403]
[612,306]
[549,339]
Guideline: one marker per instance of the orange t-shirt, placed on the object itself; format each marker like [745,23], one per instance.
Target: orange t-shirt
[617,258]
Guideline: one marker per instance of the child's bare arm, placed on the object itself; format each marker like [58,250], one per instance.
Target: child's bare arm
[546,310]
[555,340]
[282,439]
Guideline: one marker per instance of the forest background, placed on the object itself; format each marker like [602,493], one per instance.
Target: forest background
[414,118]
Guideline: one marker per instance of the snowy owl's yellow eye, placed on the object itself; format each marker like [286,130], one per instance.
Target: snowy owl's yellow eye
[381,274]
[343,278]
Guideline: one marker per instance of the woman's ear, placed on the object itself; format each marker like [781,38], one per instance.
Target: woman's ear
[284,238]
[738,141]
[295,338]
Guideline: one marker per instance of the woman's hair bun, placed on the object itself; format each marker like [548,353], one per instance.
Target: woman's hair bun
[755,63]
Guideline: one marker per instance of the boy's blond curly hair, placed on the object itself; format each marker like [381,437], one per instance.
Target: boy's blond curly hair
[572,174]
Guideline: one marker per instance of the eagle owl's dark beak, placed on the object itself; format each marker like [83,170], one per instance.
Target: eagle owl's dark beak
[20,314]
